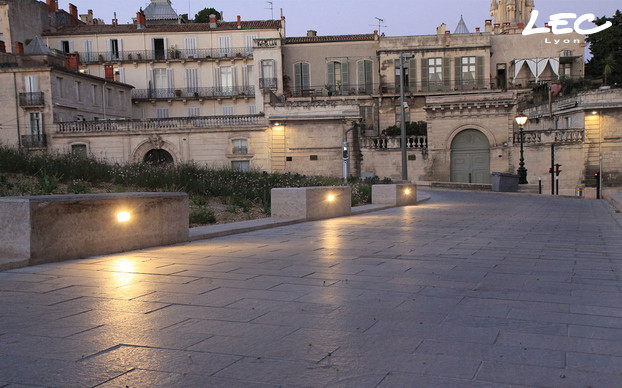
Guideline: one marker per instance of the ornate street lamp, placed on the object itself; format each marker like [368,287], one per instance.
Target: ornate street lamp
[522,171]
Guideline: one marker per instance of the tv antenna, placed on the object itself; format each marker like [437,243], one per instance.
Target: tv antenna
[271,8]
[380,21]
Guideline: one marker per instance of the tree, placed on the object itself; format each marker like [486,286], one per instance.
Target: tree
[606,48]
[203,15]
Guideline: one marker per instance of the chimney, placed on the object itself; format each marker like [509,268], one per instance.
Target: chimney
[440,30]
[52,5]
[141,20]
[19,48]
[2,47]
[212,21]
[73,11]
[72,61]
[311,33]
[477,29]
[109,72]
[239,22]
[447,32]
[115,21]
[488,25]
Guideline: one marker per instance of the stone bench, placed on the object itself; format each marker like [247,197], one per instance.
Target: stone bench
[399,194]
[51,228]
[311,203]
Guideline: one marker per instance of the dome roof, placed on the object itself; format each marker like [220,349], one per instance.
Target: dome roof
[160,9]
[461,28]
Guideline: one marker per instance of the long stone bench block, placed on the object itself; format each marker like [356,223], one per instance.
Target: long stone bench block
[311,203]
[399,194]
[61,227]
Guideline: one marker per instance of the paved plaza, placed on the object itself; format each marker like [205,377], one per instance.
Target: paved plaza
[465,290]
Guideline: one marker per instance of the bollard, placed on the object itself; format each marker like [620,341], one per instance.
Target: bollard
[578,192]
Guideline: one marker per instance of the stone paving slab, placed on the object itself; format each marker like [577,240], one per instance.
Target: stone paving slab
[465,290]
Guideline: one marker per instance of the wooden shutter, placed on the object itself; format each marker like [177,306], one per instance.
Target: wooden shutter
[32,83]
[361,76]
[458,73]
[297,77]
[425,75]
[345,77]
[108,49]
[306,81]
[412,75]
[218,78]
[446,74]
[480,72]
[330,74]
[120,45]
[171,80]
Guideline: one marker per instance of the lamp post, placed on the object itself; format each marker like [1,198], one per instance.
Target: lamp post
[403,118]
[522,171]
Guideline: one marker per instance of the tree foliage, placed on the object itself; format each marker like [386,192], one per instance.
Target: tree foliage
[414,128]
[606,48]
[203,15]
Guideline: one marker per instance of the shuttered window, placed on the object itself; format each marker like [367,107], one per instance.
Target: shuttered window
[301,77]
[365,77]
[337,76]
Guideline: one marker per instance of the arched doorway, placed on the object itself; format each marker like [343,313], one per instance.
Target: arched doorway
[470,157]
[158,157]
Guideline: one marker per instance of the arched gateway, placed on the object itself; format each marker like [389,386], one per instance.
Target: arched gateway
[470,157]
[158,157]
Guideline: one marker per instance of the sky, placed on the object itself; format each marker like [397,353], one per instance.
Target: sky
[335,17]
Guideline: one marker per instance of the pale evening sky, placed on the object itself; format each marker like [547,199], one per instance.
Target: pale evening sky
[334,17]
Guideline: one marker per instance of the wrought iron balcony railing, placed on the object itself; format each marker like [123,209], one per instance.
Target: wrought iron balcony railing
[175,123]
[34,141]
[165,55]
[31,99]
[190,93]
[268,83]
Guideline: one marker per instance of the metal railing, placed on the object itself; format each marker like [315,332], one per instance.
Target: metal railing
[34,141]
[268,83]
[31,99]
[165,55]
[548,136]
[208,92]
[202,122]
[266,42]
[393,143]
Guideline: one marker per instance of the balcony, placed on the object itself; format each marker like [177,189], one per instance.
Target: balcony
[150,125]
[31,99]
[34,141]
[549,136]
[268,83]
[193,93]
[380,143]
[166,55]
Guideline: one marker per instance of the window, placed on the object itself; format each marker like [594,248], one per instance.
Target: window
[77,85]
[109,99]
[365,77]
[35,124]
[301,78]
[114,49]
[159,48]
[119,74]
[249,78]
[252,109]
[435,69]
[240,165]
[228,110]
[162,113]
[190,44]
[122,99]
[249,43]
[94,94]
[32,83]
[66,46]
[468,72]
[163,83]
[239,146]
[397,75]
[59,87]
[398,115]
[226,80]
[565,69]
[268,74]
[88,51]
[337,76]
[224,45]
[79,150]
[194,111]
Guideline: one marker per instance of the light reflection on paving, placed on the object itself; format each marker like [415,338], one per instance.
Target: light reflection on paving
[468,289]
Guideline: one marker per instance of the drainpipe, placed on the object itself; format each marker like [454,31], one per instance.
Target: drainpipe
[19,136]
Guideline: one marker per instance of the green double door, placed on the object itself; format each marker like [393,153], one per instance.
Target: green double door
[470,157]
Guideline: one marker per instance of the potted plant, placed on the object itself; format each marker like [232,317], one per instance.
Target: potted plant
[329,89]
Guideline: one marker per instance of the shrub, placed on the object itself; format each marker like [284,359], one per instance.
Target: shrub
[202,216]
[78,186]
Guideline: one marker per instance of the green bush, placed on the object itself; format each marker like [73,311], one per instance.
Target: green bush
[48,184]
[78,186]
[413,128]
[202,216]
